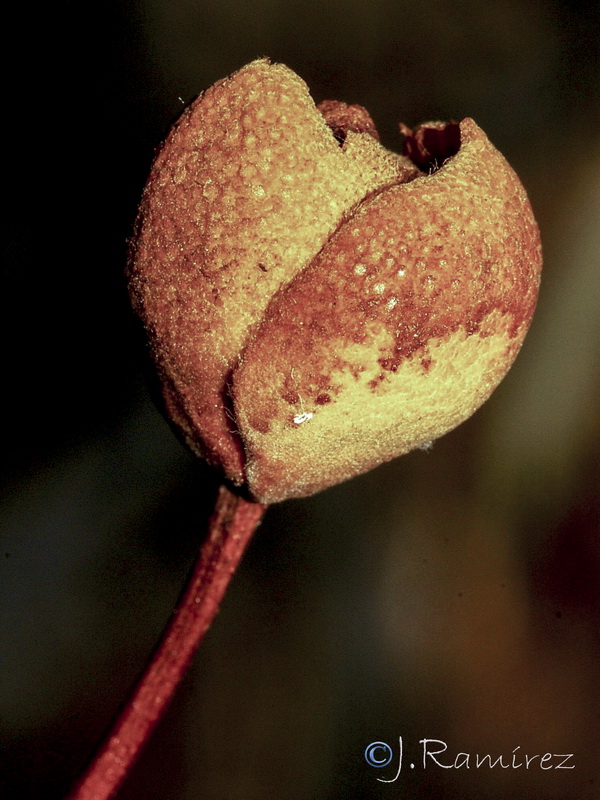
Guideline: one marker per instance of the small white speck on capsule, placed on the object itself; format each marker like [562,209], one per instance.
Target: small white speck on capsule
[304,417]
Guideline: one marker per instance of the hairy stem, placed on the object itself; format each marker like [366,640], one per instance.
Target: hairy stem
[231,527]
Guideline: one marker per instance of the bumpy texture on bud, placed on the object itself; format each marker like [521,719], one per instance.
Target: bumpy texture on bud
[315,303]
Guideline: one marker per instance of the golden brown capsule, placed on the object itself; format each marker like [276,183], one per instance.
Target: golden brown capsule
[315,303]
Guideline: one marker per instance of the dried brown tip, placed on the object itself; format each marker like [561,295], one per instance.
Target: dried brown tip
[342,118]
[431,144]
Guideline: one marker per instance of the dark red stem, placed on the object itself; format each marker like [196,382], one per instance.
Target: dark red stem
[231,528]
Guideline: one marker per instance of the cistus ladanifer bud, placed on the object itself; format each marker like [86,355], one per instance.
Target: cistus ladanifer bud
[316,304]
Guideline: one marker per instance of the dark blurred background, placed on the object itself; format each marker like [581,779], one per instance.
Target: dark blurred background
[450,595]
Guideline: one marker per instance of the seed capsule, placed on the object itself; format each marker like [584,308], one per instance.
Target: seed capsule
[315,303]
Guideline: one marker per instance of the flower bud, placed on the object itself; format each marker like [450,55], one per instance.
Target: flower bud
[315,303]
